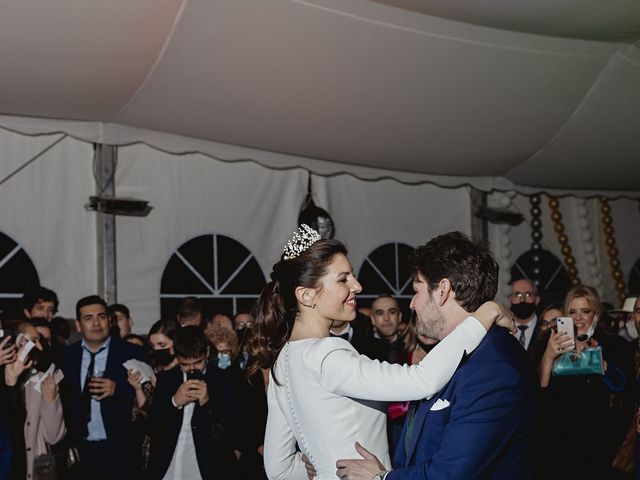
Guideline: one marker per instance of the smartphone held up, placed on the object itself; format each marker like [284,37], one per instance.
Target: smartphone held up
[565,325]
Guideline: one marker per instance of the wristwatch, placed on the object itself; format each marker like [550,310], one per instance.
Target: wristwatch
[381,475]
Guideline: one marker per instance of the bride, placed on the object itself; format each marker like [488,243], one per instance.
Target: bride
[322,395]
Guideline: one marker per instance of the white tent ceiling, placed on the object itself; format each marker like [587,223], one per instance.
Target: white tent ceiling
[543,94]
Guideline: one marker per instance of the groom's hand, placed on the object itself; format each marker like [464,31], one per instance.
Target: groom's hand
[311,471]
[364,469]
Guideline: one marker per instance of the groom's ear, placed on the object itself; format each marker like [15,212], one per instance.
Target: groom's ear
[445,292]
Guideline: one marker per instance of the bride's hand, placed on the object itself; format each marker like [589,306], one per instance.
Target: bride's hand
[493,312]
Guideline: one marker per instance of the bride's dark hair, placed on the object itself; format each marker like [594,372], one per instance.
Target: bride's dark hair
[277,307]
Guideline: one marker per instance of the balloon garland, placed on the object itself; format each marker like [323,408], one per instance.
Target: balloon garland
[588,248]
[612,249]
[563,240]
[536,236]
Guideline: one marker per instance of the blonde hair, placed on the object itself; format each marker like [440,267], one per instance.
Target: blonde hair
[217,335]
[586,292]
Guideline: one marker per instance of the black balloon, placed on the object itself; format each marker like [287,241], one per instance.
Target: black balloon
[317,218]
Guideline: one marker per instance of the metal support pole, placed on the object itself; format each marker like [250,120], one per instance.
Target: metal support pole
[105,161]
[479,226]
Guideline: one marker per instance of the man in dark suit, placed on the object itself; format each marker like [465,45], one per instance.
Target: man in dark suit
[192,415]
[524,302]
[359,333]
[98,399]
[386,317]
[481,424]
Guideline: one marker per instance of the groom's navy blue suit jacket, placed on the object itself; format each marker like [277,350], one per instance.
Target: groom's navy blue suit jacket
[481,424]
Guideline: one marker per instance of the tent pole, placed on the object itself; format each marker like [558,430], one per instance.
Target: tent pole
[479,225]
[105,161]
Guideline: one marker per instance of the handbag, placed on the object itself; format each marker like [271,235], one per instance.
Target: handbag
[588,362]
[44,467]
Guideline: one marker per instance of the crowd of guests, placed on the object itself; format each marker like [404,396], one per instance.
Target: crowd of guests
[174,403]
[178,403]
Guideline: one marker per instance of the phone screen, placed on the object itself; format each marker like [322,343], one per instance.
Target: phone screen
[195,375]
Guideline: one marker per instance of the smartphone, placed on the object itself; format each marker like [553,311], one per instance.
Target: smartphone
[4,333]
[29,352]
[565,325]
[195,375]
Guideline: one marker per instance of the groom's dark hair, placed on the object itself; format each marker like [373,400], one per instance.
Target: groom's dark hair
[469,266]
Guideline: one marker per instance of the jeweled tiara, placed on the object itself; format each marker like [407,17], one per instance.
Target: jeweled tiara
[301,240]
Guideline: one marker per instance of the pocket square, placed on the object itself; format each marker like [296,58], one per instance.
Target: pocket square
[440,404]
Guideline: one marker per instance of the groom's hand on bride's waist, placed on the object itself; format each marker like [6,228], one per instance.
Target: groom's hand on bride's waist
[311,471]
[365,469]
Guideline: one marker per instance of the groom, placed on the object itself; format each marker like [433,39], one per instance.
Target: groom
[481,424]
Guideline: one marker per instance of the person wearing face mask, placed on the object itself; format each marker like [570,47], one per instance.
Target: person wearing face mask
[524,301]
[162,358]
[248,438]
[33,382]
[242,323]
[192,415]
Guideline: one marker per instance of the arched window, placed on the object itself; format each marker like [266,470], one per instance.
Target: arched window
[386,270]
[17,273]
[544,268]
[220,271]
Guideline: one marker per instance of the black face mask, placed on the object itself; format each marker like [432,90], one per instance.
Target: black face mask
[43,360]
[523,310]
[163,357]
[242,335]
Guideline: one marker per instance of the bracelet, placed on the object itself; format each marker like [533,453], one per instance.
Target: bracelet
[380,475]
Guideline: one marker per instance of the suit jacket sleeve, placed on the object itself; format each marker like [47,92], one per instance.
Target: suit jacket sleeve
[346,373]
[484,417]
[124,392]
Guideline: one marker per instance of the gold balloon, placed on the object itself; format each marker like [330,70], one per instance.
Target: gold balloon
[610,241]
[563,239]
[614,262]
[620,286]
[617,274]
[570,261]
[608,230]
[556,216]
[607,220]
[554,203]
[566,250]
[605,208]
[613,251]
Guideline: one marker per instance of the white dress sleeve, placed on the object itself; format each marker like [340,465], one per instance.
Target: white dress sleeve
[341,370]
[281,460]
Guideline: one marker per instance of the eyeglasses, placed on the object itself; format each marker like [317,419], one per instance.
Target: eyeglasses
[523,296]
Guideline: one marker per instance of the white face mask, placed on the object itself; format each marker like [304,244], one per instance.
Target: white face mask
[632,329]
